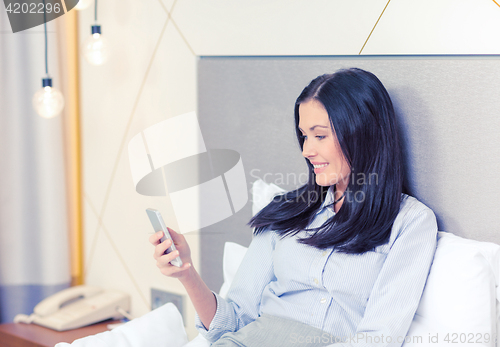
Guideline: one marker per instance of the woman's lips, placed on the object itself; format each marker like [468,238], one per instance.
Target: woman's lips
[320,169]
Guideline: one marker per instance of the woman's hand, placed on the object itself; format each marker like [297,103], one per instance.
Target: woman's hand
[163,260]
[201,296]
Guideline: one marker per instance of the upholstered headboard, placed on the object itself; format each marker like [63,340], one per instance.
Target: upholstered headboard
[448,107]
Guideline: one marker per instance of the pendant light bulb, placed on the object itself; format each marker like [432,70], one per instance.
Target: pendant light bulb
[48,102]
[96,48]
[83,4]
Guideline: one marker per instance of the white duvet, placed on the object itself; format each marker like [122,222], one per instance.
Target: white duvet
[162,327]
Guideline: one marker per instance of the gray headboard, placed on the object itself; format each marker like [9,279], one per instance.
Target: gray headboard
[448,106]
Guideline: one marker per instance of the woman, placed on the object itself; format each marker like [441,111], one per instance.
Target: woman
[343,259]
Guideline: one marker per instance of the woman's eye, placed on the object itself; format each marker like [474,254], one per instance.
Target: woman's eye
[318,137]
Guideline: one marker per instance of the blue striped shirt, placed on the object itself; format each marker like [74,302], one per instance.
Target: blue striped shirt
[362,299]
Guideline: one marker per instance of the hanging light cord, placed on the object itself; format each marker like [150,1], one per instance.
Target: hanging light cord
[45,29]
[95,11]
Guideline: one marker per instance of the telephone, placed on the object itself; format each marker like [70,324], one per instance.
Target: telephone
[76,307]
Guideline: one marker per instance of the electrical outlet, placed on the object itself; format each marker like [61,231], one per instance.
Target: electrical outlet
[161,297]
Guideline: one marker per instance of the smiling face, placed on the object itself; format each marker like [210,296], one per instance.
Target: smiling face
[321,146]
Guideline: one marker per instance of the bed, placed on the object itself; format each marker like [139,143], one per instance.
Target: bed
[459,305]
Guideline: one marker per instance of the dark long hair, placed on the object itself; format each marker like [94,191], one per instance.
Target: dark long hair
[363,119]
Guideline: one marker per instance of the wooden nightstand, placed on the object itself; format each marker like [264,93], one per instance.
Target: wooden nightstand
[32,335]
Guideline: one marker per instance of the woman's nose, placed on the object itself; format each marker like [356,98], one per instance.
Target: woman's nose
[308,150]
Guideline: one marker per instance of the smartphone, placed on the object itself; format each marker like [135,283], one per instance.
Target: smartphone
[158,224]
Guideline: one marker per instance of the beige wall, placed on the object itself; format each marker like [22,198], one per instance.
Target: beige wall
[151,76]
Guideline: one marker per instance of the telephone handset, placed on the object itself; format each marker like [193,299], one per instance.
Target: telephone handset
[78,306]
[65,297]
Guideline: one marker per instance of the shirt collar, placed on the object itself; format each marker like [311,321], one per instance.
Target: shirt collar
[329,199]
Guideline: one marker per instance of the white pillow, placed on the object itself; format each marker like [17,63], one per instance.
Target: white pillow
[262,194]
[161,327]
[458,305]
[233,255]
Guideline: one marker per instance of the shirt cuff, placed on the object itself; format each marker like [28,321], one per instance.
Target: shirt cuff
[223,321]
